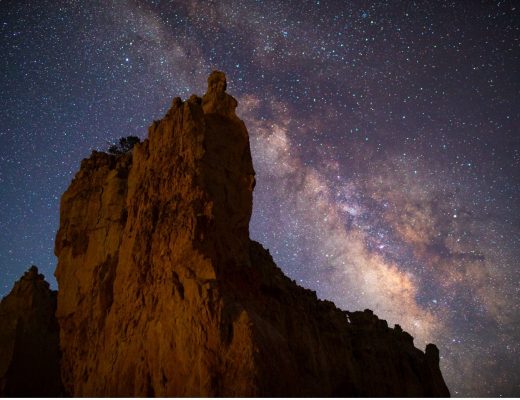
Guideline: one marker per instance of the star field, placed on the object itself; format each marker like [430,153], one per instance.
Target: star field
[385,137]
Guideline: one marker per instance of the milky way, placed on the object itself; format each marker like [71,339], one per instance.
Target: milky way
[385,137]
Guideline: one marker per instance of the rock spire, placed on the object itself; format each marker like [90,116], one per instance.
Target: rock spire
[163,293]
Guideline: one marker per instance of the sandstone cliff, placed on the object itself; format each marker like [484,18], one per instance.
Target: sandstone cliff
[29,349]
[162,293]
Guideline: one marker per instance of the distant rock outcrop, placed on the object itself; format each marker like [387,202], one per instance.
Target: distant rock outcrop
[29,333]
[162,292]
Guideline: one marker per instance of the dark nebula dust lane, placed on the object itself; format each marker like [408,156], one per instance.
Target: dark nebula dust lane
[385,137]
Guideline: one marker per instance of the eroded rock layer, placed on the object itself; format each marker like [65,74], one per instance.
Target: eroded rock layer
[162,293]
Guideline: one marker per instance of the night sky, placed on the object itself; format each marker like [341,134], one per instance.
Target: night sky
[385,136]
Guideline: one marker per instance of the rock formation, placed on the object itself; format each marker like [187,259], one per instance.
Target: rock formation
[162,292]
[29,348]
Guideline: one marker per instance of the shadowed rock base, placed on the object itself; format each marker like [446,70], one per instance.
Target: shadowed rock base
[29,350]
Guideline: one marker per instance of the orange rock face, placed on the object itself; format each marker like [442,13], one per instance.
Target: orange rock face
[162,293]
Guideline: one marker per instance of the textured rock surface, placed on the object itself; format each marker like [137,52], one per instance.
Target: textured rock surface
[29,350]
[161,291]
